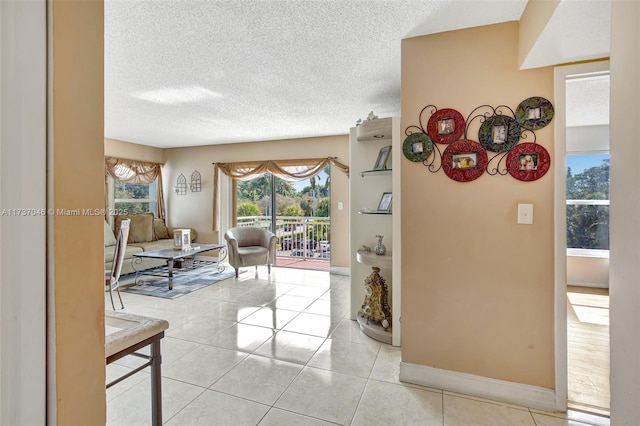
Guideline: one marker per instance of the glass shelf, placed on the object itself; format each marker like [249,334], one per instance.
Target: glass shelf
[375,172]
[373,212]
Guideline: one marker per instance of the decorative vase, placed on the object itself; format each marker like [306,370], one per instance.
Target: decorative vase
[380,249]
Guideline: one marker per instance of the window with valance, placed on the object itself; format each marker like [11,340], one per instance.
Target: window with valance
[290,170]
[136,172]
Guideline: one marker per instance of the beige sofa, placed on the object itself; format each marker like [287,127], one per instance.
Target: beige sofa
[146,233]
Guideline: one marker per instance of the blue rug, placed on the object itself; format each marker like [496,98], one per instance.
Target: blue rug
[184,282]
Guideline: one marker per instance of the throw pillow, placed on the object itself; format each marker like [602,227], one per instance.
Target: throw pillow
[140,229]
[109,238]
[161,230]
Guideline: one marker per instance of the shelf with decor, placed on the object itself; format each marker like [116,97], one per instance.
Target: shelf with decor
[371,152]
[374,318]
[375,172]
[384,205]
[372,259]
[374,129]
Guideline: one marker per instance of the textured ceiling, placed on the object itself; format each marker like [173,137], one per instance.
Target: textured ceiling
[185,73]
[578,30]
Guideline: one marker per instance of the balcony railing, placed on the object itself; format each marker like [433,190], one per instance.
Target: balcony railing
[298,237]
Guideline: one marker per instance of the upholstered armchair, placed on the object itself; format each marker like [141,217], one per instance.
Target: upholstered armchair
[250,246]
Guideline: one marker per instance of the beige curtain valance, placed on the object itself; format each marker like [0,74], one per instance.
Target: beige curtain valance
[290,170]
[133,171]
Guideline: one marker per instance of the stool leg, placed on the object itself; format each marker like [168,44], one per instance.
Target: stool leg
[111,296]
[119,297]
[156,384]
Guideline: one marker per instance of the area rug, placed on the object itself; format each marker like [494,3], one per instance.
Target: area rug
[184,282]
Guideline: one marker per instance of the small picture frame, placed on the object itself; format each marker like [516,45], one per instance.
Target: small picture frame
[534,113]
[385,202]
[467,160]
[383,156]
[181,239]
[446,126]
[528,162]
[417,147]
[499,134]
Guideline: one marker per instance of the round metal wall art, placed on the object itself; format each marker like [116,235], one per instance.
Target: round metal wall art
[445,126]
[534,113]
[464,160]
[528,161]
[417,147]
[499,133]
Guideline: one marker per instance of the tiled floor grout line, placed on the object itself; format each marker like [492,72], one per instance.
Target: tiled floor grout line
[164,421]
[365,386]
[272,406]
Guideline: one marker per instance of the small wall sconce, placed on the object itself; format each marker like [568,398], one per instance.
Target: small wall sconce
[196,182]
[181,185]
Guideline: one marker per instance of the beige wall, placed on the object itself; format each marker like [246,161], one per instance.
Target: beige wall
[77,257]
[132,151]
[477,288]
[195,209]
[534,19]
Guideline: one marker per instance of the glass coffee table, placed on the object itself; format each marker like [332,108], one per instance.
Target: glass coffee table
[188,256]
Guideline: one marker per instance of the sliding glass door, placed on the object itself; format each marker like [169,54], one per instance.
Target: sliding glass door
[297,212]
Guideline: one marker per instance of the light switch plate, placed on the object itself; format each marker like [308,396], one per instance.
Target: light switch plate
[525,214]
[340,205]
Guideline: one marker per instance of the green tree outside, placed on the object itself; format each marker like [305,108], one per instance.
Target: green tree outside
[588,225]
[248,209]
[289,201]
[132,191]
[293,210]
[324,207]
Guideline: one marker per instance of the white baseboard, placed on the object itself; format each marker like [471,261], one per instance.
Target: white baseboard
[340,270]
[483,387]
[590,285]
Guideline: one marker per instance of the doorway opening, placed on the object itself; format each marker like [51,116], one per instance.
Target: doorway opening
[297,212]
[587,240]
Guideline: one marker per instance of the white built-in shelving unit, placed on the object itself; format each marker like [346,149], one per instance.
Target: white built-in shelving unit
[366,188]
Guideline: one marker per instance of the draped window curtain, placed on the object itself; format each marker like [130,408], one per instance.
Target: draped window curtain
[290,170]
[132,171]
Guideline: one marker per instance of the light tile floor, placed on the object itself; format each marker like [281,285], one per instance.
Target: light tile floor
[281,350]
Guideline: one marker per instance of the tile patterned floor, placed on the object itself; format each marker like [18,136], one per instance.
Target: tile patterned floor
[281,350]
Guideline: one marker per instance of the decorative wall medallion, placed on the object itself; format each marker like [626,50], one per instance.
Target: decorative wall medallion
[417,147]
[445,126]
[528,161]
[464,160]
[501,130]
[499,133]
[534,113]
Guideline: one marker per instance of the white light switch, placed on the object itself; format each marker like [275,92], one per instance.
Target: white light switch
[340,205]
[525,214]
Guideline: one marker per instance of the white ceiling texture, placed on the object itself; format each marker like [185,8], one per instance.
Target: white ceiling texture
[187,73]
